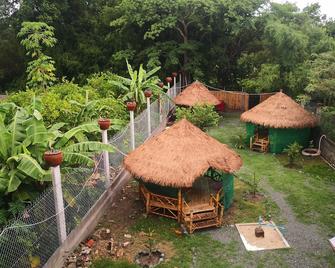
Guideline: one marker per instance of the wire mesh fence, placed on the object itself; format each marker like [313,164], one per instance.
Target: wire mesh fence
[32,238]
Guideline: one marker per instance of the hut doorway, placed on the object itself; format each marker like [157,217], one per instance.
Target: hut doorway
[260,141]
[254,99]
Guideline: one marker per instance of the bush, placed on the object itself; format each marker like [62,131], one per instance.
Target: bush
[327,122]
[293,152]
[203,116]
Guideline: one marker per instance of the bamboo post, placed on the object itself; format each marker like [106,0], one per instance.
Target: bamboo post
[148,94]
[147,204]
[54,159]
[131,106]
[104,125]
[180,204]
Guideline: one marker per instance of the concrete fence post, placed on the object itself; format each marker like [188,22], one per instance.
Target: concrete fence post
[131,106]
[168,81]
[174,75]
[148,94]
[161,85]
[104,126]
[54,159]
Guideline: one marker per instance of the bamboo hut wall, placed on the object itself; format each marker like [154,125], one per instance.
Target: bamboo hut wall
[237,100]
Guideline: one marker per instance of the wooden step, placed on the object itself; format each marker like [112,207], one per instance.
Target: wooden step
[201,216]
[205,224]
[198,209]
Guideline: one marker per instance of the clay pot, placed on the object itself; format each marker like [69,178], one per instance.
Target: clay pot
[161,84]
[168,79]
[174,74]
[53,158]
[147,93]
[104,123]
[131,105]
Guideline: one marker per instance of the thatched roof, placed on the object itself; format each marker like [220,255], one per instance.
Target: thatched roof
[279,111]
[196,94]
[179,155]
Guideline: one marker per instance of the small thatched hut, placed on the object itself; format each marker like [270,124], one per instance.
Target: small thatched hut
[196,94]
[183,174]
[279,120]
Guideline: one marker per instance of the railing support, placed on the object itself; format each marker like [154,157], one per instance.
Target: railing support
[148,94]
[54,159]
[131,106]
[104,126]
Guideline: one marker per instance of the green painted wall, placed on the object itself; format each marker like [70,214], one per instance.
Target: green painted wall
[162,190]
[280,138]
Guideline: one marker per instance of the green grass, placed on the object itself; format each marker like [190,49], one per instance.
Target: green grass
[310,190]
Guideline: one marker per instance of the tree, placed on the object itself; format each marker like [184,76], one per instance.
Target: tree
[36,37]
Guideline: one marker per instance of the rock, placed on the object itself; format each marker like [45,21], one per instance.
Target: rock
[85,251]
[126,244]
[142,233]
[127,236]
[108,231]
[119,253]
[72,265]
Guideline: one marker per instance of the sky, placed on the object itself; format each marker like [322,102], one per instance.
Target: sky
[327,6]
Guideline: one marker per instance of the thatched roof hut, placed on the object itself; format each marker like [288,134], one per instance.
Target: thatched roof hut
[284,120]
[279,111]
[196,94]
[179,155]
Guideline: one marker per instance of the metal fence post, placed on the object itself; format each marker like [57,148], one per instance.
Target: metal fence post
[104,125]
[131,106]
[54,159]
[148,94]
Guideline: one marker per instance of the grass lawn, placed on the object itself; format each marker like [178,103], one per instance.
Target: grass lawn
[309,190]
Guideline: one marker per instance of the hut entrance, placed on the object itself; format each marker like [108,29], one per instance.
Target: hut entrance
[260,141]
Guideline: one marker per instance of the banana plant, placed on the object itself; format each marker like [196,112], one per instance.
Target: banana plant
[23,140]
[139,81]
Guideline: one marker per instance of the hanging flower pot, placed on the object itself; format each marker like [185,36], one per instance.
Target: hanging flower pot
[174,74]
[148,93]
[168,79]
[104,123]
[161,84]
[53,158]
[131,105]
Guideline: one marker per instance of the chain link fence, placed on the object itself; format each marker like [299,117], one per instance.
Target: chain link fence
[32,238]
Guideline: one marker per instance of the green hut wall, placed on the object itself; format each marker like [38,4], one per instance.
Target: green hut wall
[228,189]
[162,190]
[280,138]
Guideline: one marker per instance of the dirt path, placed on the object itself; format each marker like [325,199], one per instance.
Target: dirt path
[309,247]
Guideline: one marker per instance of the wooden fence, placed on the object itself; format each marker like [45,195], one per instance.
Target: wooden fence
[328,151]
[237,100]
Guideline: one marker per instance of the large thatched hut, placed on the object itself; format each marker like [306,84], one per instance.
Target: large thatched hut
[196,94]
[186,175]
[278,122]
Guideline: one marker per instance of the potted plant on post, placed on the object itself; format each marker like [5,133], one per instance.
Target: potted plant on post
[53,157]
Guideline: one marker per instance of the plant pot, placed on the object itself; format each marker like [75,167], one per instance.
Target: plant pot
[104,123]
[131,105]
[53,158]
[161,84]
[148,93]
[168,79]
[174,74]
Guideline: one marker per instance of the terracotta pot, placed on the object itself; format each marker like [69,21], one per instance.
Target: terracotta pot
[131,105]
[148,93]
[174,74]
[53,158]
[168,79]
[104,123]
[161,84]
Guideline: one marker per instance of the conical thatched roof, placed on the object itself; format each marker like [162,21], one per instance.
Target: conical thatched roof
[279,111]
[180,154]
[196,94]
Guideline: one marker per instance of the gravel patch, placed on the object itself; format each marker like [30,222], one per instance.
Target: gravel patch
[309,246]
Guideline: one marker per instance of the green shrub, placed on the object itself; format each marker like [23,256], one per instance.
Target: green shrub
[203,116]
[293,152]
